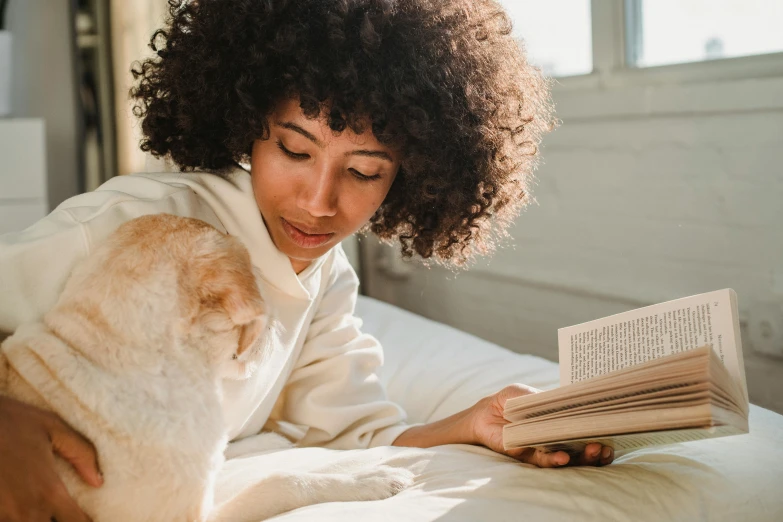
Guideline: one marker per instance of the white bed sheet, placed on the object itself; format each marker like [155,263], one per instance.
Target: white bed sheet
[433,370]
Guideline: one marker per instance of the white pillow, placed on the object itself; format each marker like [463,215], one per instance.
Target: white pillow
[433,370]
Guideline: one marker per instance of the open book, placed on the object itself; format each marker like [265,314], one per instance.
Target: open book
[666,373]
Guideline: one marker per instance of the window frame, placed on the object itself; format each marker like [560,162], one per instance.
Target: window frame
[614,50]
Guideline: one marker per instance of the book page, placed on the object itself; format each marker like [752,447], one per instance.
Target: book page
[618,341]
[631,441]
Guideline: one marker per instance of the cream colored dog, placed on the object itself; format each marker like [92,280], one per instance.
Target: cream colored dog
[132,356]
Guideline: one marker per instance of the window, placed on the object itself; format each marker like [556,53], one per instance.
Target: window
[556,34]
[661,32]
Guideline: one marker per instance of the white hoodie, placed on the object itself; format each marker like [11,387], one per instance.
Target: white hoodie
[322,378]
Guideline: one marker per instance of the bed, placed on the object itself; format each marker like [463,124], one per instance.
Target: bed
[433,370]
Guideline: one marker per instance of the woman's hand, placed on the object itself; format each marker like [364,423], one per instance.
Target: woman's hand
[487,426]
[482,424]
[30,489]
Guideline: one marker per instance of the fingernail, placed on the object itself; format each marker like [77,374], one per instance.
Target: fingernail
[607,452]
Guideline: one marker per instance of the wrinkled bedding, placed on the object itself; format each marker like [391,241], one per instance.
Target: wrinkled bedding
[433,371]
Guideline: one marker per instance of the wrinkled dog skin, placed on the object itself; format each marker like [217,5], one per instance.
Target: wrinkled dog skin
[132,356]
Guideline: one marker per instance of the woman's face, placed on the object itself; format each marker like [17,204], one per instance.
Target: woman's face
[315,189]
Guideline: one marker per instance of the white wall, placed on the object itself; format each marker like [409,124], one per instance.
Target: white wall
[652,189]
[43,85]
[23,192]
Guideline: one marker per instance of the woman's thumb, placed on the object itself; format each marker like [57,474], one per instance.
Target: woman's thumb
[77,450]
[515,390]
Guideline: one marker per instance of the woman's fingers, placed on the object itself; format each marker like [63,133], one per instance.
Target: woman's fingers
[594,454]
[590,455]
[64,507]
[553,460]
[30,488]
[544,459]
[607,456]
[77,450]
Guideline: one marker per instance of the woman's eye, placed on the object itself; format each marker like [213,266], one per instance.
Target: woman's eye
[363,177]
[290,154]
[298,156]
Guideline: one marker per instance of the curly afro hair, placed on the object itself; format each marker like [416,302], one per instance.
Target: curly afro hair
[443,81]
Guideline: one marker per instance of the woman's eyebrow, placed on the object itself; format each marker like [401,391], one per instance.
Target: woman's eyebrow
[372,154]
[296,128]
[368,153]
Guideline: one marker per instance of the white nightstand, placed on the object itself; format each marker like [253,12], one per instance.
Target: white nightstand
[23,187]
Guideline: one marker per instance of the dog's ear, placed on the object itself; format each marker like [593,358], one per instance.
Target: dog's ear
[226,280]
[240,298]
[250,334]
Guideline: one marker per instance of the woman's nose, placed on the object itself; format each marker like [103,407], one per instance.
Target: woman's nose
[320,194]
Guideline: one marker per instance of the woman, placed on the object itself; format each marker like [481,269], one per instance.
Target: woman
[417,120]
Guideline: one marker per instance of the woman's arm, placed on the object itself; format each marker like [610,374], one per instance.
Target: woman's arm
[455,429]
[34,265]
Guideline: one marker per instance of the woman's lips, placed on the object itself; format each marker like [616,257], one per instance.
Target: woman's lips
[304,239]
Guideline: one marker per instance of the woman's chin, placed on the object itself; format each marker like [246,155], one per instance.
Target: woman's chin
[301,258]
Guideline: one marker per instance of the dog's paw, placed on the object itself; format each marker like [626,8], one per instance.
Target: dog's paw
[382,482]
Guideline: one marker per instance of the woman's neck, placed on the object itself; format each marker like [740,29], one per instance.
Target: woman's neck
[299,265]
